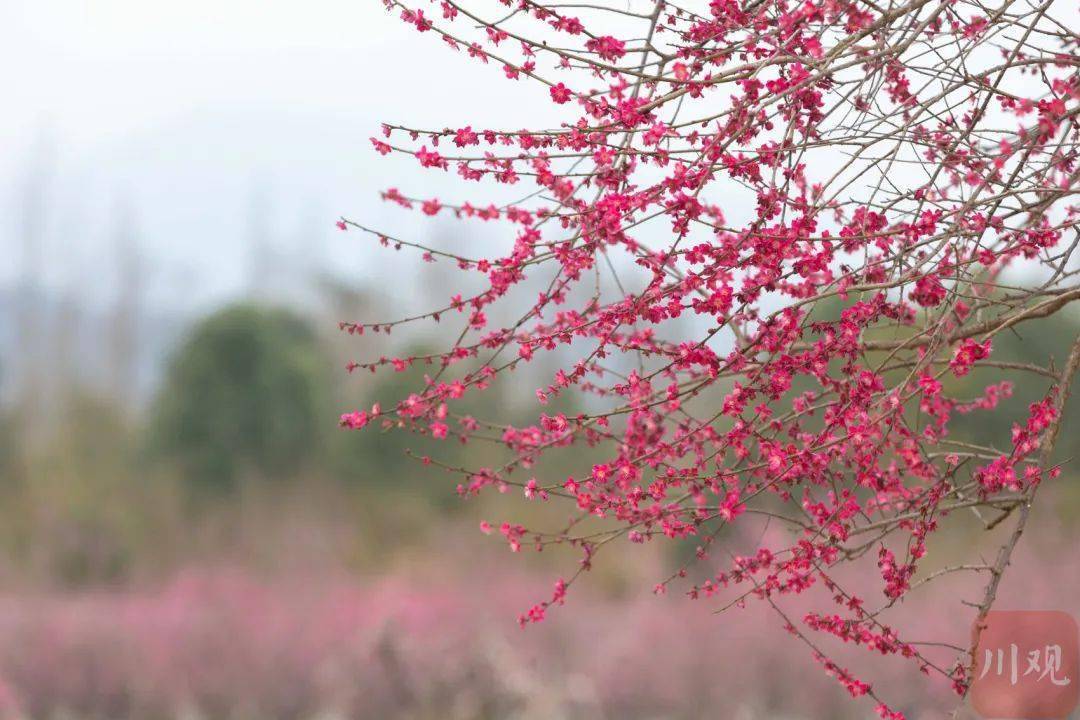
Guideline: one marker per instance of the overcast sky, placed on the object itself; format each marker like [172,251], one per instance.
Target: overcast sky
[184,120]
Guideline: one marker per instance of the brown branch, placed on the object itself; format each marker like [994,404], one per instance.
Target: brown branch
[1005,552]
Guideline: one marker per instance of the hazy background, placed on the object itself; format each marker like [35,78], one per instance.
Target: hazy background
[184,532]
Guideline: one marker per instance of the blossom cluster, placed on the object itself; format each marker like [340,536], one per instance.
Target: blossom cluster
[772,241]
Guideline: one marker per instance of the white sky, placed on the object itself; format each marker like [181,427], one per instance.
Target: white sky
[180,114]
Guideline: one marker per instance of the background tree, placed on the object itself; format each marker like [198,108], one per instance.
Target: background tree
[246,394]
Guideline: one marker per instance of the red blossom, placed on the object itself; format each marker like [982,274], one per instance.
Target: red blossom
[758,278]
[560,93]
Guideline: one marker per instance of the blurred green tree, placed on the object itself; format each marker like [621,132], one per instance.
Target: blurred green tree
[10,452]
[1043,342]
[380,461]
[245,394]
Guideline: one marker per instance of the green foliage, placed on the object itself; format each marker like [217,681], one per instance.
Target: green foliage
[1040,342]
[1037,342]
[387,461]
[88,458]
[246,394]
[374,457]
[9,449]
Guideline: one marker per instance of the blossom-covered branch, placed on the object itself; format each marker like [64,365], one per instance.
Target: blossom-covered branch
[762,245]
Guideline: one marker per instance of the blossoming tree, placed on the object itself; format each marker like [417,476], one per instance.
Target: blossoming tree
[768,235]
